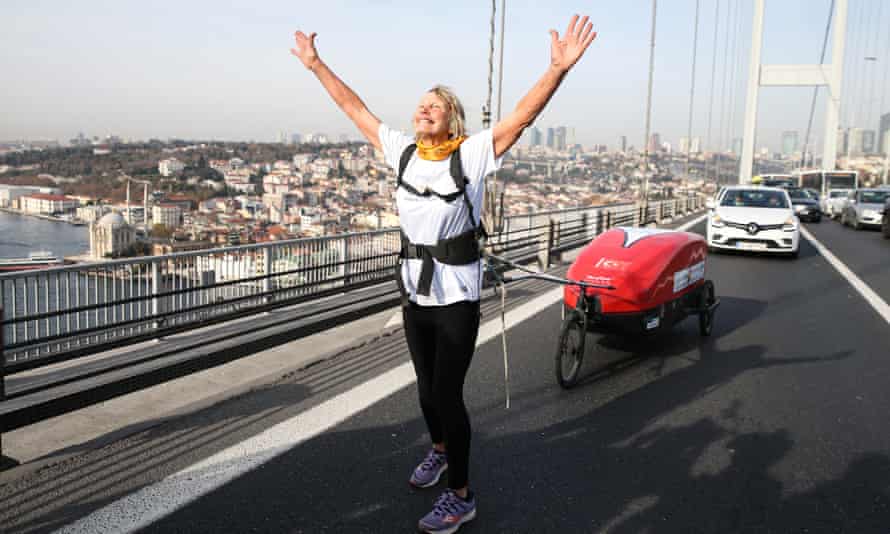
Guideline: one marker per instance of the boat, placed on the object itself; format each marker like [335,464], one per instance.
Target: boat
[35,260]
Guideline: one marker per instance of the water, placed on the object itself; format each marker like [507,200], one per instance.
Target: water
[23,234]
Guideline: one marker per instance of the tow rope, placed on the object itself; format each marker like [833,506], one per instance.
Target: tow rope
[501,287]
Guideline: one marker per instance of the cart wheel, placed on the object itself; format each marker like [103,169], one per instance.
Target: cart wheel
[570,350]
[706,315]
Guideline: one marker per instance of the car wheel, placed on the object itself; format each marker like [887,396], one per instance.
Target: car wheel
[818,219]
[857,225]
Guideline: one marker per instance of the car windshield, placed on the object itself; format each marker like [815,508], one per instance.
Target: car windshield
[837,194]
[754,198]
[873,197]
[799,193]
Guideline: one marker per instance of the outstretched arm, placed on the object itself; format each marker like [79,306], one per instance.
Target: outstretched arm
[564,53]
[345,97]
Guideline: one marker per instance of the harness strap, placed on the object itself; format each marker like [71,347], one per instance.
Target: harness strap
[403,162]
[458,250]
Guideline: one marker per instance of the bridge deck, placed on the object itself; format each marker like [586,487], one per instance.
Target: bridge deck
[777,422]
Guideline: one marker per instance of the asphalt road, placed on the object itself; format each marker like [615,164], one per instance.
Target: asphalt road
[777,423]
[865,252]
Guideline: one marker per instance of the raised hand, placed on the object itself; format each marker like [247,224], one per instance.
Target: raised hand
[565,52]
[305,49]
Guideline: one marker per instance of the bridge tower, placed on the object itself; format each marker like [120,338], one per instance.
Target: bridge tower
[829,75]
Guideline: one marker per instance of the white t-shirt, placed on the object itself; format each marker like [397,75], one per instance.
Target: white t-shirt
[426,220]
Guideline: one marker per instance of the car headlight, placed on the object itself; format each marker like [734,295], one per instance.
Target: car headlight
[790,225]
[799,208]
[716,221]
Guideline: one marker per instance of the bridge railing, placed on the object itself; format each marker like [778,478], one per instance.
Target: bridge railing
[61,313]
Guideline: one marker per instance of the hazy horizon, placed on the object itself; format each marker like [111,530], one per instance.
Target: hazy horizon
[209,71]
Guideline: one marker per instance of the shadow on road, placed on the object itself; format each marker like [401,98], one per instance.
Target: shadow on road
[614,468]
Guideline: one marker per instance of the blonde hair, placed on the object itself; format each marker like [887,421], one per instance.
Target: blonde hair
[456,117]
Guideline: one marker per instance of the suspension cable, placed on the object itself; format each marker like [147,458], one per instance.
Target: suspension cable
[723,93]
[486,110]
[645,198]
[497,217]
[865,70]
[882,108]
[854,67]
[713,77]
[488,200]
[501,63]
[732,82]
[692,89]
[871,93]
[806,139]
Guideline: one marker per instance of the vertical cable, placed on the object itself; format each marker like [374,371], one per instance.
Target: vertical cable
[871,92]
[720,139]
[854,67]
[497,217]
[736,37]
[862,81]
[692,89]
[486,110]
[713,77]
[501,61]
[806,139]
[648,119]
[882,109]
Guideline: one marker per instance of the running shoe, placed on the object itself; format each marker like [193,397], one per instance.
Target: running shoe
[430,469]
[448,514]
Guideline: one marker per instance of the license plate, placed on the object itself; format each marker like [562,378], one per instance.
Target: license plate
[752,246]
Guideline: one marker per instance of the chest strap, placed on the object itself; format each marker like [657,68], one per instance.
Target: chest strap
[458,250]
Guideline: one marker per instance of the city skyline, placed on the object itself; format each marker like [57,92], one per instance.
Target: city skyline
[205,72]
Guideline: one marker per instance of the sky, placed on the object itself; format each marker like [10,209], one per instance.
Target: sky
[222,69]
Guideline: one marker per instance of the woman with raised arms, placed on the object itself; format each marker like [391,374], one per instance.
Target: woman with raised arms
[441,172]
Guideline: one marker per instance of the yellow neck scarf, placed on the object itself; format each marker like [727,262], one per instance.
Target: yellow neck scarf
[440,151]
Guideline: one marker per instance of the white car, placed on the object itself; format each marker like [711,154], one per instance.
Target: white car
[754,219]
[833,203]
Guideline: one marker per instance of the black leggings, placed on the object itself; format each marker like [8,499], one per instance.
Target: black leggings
[442,340]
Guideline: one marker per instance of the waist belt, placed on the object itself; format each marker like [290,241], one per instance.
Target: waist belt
[458,250]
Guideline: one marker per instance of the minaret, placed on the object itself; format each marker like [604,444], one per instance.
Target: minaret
[127,216]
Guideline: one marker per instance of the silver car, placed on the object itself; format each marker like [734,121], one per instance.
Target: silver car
[833,202]
[865,207]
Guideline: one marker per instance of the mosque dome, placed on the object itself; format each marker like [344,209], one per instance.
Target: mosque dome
[112,220]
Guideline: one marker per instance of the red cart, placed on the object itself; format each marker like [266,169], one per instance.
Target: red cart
[633,281]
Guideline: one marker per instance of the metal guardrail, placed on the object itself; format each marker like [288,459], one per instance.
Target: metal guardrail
[61,313]
[65,312]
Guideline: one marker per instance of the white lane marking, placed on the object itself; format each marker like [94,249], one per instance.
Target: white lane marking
[395,320]
[140,509]
[692,223]
[147,505]
[876,302]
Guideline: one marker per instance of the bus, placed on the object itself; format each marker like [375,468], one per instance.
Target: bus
[824,181]
[777,180]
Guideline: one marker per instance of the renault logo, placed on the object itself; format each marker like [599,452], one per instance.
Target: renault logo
[753,228]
